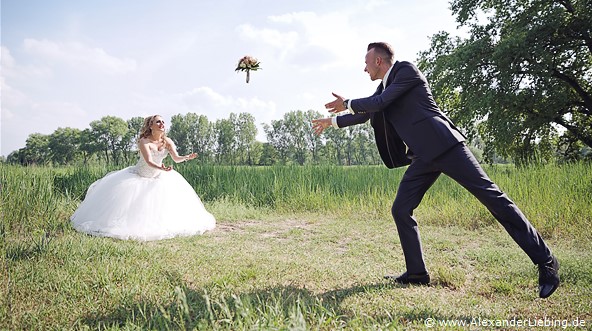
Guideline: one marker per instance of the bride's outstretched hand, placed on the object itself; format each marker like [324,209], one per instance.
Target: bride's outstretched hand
[190,156]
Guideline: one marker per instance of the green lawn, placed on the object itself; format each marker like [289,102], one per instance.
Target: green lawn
[300,272]
[308,252]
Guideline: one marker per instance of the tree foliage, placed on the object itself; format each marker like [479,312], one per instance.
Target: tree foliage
[523,76]
[64,145]
[109,133]
[227,141]
[37,151]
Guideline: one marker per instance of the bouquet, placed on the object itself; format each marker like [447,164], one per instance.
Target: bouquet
[248,63]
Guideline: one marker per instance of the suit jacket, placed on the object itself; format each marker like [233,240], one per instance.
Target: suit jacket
[405,113]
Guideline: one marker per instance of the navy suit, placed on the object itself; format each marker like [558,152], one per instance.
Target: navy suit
[406,115]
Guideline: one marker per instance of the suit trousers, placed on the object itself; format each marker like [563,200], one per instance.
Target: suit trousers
[459,164]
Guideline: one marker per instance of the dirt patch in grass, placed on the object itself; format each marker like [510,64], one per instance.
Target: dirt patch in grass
[234,226]
[279,229]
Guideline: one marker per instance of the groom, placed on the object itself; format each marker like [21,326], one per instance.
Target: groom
[411,130]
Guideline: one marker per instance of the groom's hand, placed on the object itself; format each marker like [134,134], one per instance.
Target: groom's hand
[336,105]
[321,124]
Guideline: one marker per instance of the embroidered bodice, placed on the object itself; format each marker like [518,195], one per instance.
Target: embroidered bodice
[143,169]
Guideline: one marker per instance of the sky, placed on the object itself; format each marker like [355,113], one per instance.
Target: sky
[66,63]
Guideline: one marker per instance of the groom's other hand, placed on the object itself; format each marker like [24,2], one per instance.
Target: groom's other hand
[321,124]
[335,106]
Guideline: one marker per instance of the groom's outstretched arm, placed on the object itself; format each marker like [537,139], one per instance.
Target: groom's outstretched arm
[350,119]
[319,125]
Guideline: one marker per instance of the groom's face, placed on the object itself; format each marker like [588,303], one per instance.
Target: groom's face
[373,65]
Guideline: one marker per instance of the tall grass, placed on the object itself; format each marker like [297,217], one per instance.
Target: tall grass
[556,199]
[40,198]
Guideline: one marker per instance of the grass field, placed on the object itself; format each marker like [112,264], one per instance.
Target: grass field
[295,248]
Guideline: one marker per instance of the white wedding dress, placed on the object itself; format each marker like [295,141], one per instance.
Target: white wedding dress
[142,203]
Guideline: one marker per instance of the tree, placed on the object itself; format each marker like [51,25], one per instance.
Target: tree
[15,157]
[36,150]
[256,153]
[336,140]
[522,77]
[297,128]
[181,132]
[315,142]
[276,137]
[204,139]
[193,133]
[64,145]
[109,132]
[129,140]
[226,140]
[363,144]
[88,145]
[268,154]
[245,137]
[292,136]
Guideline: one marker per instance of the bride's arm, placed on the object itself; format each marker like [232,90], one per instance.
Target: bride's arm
[173,151]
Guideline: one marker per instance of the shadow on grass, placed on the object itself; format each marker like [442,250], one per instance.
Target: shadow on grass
[34,247]
[282,307]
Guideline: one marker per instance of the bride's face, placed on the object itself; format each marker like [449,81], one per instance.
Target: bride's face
[158,124]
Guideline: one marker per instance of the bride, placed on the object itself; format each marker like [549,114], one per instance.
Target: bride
[148,201]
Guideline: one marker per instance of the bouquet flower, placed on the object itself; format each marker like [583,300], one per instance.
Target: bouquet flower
[248,63]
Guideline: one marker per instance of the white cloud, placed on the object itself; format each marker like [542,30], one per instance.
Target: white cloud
[272,37]
[198,95]
[54,114]
[10,68]
[7,59]
[11,98]
[370,5]
[78,55]
[325,29]
[214,103]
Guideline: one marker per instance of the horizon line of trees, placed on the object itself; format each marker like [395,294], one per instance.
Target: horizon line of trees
[232,141]
[228,141]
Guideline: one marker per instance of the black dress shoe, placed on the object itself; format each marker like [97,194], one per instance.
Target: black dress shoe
[406,278]
[548,277]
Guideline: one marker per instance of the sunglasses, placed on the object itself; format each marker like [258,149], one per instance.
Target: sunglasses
[160,122]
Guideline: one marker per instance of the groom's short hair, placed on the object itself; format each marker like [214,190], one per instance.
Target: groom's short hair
[384,50]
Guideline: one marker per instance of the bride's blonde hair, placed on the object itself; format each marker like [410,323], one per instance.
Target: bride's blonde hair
[146,130]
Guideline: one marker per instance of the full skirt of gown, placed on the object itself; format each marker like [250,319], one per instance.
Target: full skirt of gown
[142,203]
